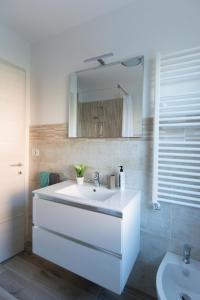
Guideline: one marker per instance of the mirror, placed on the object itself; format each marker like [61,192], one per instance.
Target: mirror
[106,101]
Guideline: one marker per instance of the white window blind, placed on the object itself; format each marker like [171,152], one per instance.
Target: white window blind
[176,177]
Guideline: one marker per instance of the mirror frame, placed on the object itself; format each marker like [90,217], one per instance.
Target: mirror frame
[72,98]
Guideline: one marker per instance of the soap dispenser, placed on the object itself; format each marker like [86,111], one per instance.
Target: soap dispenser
[121,178]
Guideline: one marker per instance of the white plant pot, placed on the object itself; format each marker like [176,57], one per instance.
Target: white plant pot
[80,180]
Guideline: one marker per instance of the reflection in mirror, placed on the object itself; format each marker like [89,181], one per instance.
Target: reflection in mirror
[106,102]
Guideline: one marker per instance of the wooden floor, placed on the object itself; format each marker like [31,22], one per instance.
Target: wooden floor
[28,277]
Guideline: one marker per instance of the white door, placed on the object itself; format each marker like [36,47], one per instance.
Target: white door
[12,159]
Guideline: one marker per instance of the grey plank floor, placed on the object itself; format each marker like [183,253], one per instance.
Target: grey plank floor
[29,277]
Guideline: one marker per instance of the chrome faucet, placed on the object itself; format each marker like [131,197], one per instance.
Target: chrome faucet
[186,253]
[96,179]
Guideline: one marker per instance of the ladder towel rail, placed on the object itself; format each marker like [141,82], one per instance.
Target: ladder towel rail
[176,164]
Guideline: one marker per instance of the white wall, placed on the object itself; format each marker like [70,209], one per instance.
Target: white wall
[14,49]
[143,27]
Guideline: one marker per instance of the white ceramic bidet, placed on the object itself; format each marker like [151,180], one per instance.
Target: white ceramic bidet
[176,280]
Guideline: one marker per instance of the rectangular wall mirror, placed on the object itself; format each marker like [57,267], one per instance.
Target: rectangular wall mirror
[106,101]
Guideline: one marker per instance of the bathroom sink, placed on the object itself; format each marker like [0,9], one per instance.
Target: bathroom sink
[87,191]
[176,280]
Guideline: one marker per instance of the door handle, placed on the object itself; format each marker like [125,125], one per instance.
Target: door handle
[16,165]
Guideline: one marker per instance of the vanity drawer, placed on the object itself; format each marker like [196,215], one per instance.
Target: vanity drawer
[96,266]
[94,228]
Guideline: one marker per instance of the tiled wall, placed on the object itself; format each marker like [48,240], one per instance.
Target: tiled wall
[163,230]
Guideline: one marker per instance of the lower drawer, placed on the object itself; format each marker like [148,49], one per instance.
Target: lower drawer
[99,267]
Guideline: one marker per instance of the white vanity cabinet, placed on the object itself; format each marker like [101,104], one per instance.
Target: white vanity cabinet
[98,246]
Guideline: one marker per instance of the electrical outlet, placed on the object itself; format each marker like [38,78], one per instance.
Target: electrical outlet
[35,152]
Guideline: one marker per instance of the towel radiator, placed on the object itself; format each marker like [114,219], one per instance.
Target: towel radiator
[176,174]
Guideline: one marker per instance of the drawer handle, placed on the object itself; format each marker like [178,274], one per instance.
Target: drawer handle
[16,165]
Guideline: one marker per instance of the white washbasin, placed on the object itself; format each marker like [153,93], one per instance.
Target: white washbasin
[87,191]
[176,280]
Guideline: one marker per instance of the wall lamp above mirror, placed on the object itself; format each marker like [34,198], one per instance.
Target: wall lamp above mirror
[106,101]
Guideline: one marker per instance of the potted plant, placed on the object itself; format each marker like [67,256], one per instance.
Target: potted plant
[80,171]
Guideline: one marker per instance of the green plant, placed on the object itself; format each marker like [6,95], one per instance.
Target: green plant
[80,170]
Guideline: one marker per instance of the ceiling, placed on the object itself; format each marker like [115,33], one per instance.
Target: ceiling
[39,19]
